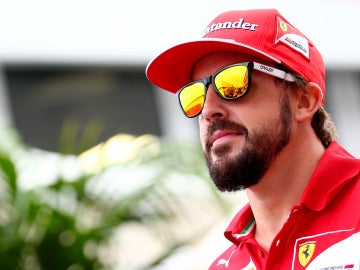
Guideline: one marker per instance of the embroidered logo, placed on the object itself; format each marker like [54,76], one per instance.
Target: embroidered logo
[224,261]
[305,253]
[291,37]
[239,24]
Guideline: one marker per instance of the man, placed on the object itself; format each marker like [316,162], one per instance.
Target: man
[257,85]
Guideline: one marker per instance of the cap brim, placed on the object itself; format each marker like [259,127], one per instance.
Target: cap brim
[171,69]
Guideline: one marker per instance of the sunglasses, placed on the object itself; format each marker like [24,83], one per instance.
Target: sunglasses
[230,83]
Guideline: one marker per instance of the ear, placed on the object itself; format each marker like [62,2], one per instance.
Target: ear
[308,102]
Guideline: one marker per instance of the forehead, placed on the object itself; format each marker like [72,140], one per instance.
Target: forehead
[209,64]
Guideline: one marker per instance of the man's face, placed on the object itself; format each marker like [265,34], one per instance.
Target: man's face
[242,138]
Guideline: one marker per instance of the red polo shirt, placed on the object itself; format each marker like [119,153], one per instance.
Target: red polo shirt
[321,233]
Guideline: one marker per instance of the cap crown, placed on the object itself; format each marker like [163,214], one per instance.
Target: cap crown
[268,32]
[263,33]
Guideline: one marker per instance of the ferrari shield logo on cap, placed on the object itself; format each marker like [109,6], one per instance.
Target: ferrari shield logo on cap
[291,37]
[305,253]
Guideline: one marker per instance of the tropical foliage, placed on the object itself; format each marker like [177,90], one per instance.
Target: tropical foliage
[131,213]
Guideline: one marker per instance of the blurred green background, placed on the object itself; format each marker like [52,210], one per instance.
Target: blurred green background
[130,210]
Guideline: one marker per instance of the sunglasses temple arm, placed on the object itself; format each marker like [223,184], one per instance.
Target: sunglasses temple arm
[274,72]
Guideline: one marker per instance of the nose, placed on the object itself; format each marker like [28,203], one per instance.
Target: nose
[214,106]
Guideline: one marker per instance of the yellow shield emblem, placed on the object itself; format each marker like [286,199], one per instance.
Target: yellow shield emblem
[306,251]
[283,26]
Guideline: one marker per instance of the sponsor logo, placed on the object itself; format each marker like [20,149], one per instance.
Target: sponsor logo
[305,253]
[225,261]
[266,68]
[292,38]
[333,250]
[250,266]
[338,267]
[283,25]
[296,45]
[239,24]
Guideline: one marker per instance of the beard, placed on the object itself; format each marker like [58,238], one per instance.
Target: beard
[252,162]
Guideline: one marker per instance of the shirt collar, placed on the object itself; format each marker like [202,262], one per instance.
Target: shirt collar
[241,226]
[335,169]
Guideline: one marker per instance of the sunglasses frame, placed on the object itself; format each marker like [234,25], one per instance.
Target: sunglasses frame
[250,67]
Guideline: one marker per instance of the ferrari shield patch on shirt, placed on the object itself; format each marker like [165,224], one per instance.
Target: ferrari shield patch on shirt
[306,252]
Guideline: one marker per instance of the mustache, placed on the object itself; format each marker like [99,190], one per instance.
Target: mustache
[221,124]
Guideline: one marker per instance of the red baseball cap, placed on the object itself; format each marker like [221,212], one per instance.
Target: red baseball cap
[263,33]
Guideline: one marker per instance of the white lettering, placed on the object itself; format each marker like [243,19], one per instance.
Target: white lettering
[227,25]
[237,24]
[240,24]
[218,26]
[253,27]
[246,26]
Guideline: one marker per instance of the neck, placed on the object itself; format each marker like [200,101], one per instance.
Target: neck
[281,187]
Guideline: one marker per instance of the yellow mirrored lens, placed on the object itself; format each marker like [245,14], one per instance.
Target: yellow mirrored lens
[192,98]
[232,82]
